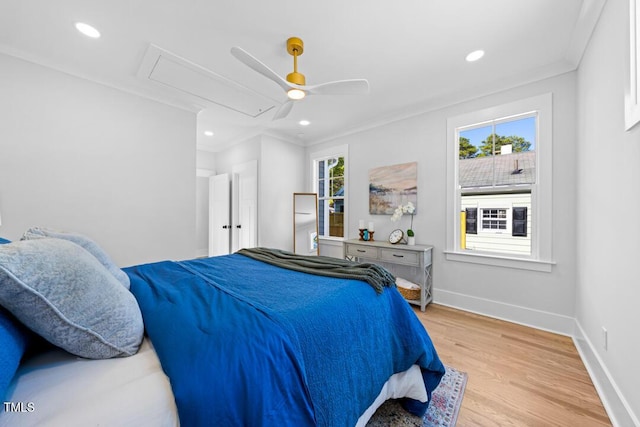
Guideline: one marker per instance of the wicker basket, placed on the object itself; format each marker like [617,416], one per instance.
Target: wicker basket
[411,294]
[408,289]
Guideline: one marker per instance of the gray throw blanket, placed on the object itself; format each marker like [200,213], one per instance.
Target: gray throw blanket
[375,275]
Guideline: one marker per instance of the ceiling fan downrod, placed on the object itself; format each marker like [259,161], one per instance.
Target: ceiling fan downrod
[295,47]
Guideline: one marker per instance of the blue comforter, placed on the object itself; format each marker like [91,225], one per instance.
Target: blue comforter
[246,343]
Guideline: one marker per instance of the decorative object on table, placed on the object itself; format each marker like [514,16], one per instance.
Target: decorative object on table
[410,209]
[390,186]
[407,289]
[396,236]
[366,234]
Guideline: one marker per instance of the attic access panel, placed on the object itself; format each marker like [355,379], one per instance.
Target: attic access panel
[170,70]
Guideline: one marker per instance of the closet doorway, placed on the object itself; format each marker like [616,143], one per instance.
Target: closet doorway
[233,210]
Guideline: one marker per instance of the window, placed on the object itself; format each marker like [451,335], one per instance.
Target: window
[494,220]
[499,185]
[329,182]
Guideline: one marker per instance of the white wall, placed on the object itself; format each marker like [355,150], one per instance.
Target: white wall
[238,154]
[280,173]
[608,199]
[202,215]
[282,169]
[205,164]
[545,300]
[81,156]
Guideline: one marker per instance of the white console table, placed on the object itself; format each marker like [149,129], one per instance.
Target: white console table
[412,263]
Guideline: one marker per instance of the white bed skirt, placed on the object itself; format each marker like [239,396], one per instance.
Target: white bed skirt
[404,384]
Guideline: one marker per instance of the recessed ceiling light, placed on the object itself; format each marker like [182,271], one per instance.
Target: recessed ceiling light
[304,122]
[208,133]
[475,55]
[87,30]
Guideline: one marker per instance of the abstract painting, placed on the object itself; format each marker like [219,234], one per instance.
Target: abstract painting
[390,186]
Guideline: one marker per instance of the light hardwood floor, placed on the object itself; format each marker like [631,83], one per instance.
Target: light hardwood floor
[518,376]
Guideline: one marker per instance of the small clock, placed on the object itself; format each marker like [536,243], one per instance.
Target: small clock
[396,236]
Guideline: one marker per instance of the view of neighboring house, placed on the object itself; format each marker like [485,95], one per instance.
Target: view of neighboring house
[496,202]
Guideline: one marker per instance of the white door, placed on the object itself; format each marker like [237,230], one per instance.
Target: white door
[219,214]
[245,206]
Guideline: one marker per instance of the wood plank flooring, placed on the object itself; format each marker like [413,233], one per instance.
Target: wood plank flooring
[518,376]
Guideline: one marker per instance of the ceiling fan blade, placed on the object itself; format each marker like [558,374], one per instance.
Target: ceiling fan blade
[283,111]
[340,87]
[255,64]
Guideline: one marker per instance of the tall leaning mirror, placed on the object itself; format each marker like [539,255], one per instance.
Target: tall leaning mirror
[305,223]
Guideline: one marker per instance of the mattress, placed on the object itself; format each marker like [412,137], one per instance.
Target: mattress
[56,388]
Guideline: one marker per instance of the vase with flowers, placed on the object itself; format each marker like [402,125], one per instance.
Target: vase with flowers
[409,208]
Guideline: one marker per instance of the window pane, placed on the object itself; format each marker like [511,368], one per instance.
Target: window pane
[516,163]
[499,158]
[331,204]
[337,187]
[321,219]
[336,167]
[336,220]
[321,188]
[476,160]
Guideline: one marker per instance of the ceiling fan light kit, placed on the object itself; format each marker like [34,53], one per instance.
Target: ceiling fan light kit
[296,94]
[295,82]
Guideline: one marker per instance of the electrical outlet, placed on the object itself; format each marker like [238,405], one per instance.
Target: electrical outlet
[604,338]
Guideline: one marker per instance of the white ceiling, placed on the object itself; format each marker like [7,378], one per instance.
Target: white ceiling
[411,51]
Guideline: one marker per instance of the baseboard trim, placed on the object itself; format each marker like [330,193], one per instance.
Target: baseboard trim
[202,253]
[617,407]
[551,322]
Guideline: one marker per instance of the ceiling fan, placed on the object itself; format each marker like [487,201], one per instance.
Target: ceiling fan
[295,84]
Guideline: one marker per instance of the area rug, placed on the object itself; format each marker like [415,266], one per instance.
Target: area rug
[442,412]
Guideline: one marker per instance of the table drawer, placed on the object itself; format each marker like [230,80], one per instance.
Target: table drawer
[400,257]
[362,251]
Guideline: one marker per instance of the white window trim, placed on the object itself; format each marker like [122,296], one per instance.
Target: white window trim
[541,192]
[336,151]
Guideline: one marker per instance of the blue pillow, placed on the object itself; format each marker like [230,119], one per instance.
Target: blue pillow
[64,294]
[13,344]
[85,242]
[4,241]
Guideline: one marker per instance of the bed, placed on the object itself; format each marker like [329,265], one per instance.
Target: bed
[235,341]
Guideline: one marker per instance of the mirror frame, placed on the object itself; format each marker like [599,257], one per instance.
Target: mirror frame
[315,212]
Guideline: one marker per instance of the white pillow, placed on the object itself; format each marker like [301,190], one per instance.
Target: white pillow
[62,292]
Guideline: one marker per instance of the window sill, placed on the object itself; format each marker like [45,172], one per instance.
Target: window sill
[335,241]
[500,261]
